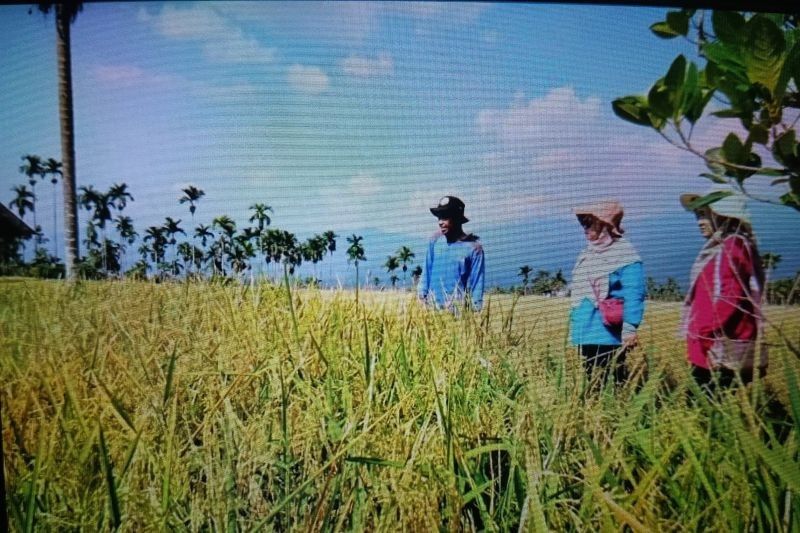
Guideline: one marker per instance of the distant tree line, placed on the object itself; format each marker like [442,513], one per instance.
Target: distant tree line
[166,250]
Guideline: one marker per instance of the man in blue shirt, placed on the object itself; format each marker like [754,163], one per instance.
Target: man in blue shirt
[454,268]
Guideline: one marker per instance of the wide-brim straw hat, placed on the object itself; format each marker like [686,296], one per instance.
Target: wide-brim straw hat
[732,206]
[609,212]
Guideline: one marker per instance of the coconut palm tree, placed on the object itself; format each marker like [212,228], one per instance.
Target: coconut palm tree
[227,228]
[260,215]
[192,195]
[65,15]
[100,205]
[118,196]
[52,168]
[314,250]
[261,218]
[525,272]
[392,263]
[542,283]
[125,229]
[330,241]
[416,274]
[157,249]
[405,256]
[171,228]
[355,253]
[33,169]
[23,201]
[189,255]
[559,282]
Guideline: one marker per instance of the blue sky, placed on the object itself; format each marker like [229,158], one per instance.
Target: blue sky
[357,117]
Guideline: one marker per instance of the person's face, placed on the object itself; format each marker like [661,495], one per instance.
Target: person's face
[448,226]
[704,223]
[592,227]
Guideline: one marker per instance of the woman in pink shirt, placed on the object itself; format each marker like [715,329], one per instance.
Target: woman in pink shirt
[722,311]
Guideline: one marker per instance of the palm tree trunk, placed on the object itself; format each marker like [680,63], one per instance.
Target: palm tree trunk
[55,222]
[356,282]
[63,54]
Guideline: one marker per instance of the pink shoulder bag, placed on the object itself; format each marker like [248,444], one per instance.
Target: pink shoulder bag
[610,308]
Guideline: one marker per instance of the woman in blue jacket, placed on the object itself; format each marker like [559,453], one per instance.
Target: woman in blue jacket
[608,268]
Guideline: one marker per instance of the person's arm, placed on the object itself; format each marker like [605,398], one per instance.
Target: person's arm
[425,279]
[475,283]
[633,292]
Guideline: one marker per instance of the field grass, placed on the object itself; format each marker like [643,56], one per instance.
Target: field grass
[206,407]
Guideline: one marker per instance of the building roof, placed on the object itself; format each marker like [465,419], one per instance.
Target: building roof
[11,224]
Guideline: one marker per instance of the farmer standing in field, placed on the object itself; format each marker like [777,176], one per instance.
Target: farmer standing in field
[607,298]
[722,312]
[454,267]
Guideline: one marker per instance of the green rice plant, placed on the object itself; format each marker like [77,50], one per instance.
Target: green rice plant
[198,406]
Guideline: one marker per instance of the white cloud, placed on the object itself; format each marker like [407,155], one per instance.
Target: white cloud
[327,21]
[221,40]
[548,154]
[306,79]
[124,76]
[363,67]
[362,185]
[449,12]
[559,115]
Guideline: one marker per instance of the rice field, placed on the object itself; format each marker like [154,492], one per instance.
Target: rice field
[202,407]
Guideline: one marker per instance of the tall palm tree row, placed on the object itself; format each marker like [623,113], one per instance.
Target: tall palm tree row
[223,247]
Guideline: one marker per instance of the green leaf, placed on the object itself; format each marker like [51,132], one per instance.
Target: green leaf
[727,113]
[794,394]
[733,150]
[777,459]
[487,448]
[763,51]
[785,149]
[377,461]
[725,61]
[767,171]
[659,101]
[716,178]
[758,134]
[663,30]
[676,74]
[712,155]
[790,70]
[695,110]
[170,376]
[678,21]
[707,200]
[728,26]
[632,109]
[693,100]
[111,485]
[791,199]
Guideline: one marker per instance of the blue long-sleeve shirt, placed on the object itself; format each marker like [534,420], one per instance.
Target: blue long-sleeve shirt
[586,324]
[453,270]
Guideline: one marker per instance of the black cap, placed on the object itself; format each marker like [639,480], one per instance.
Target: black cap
[450,207]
